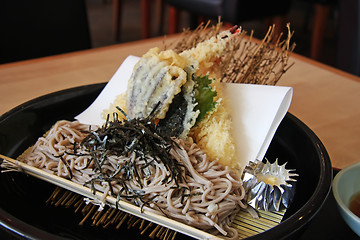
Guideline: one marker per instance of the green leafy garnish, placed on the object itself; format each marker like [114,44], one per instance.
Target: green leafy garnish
[204,96]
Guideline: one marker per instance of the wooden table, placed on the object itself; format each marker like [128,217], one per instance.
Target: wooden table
[325,99]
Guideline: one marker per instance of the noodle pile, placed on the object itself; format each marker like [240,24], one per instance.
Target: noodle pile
[208,196]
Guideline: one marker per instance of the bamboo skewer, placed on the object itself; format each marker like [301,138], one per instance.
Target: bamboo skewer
[86,192]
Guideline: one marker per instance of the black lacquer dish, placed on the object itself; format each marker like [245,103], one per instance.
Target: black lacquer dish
[24,213]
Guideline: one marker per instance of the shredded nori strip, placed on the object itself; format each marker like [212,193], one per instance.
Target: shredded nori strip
[123,138]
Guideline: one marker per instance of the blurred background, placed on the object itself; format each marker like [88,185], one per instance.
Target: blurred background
[325,30]
[300,15]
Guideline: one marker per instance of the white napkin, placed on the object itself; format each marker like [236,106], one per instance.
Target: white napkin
[256,110]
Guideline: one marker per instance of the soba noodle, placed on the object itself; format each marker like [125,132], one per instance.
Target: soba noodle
[208,197]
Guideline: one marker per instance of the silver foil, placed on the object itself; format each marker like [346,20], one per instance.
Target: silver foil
[269,186]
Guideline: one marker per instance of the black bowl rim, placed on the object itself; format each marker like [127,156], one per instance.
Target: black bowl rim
[288,227]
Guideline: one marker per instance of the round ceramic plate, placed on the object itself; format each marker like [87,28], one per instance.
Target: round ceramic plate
[23,208]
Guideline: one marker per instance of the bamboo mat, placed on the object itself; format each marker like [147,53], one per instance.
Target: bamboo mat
[248,226]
